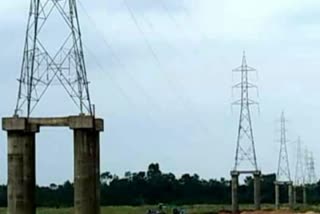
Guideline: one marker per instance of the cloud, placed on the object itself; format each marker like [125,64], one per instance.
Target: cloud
[146,6]
[248,19]
[144,113]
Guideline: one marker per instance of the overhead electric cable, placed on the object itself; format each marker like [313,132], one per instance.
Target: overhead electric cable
[161,67]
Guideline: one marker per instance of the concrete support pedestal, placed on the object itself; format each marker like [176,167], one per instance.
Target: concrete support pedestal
[21,167]
[304,195]
[257,190]
[295,195]
[234,191]
[290,195]
[86,171]
[277,202]
[21,161]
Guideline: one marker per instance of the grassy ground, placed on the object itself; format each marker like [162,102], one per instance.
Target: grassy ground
[195,209]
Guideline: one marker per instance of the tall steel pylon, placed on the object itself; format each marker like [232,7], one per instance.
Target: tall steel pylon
[299,172]
[42,67]
[245,158]
[310,168]
[283,173]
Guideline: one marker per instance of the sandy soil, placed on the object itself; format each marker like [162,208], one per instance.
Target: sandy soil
[277,212]
[272,212]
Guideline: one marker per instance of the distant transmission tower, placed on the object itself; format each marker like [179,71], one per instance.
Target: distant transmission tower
[283,173]
[245,150]
[42,67]
[299,172]
[310,168]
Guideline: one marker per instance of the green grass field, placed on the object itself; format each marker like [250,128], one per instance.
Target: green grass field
[195,209]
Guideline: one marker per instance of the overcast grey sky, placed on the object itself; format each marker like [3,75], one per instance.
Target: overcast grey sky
[186,126]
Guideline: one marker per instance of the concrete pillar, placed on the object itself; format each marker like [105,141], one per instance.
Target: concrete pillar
[257,190]
[277,203]
[86,171]
[304,195]
[290,195]
[234,191]
[21,166]
[86,164]
[295,189]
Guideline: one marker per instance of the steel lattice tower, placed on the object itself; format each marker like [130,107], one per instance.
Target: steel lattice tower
[310,168]
[42,67]
[299,172]
[245,150]
[312,175]
[283,173]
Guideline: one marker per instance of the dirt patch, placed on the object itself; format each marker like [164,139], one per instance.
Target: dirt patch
[268,212]
[271,212]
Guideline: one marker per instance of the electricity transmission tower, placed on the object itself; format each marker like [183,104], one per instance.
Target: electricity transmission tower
[245,150]
[299,172]
[42,66]
[299,183]
[283,173]
[310,168]
[245,159]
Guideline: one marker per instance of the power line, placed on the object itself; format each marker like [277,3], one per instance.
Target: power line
[123,67]
[153,52]
[141,31]
[118,60]
[121,90]
[160,66]
[203,36]
[151,26]
[188,14]
[171,17]
[169,14]
[181,30]
[176,23]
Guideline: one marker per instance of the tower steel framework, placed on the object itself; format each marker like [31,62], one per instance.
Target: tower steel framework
[245,150]
[44,64]
[245,158]
[42,67]
[300,178]
[310,169]
[283,174]
[299,172]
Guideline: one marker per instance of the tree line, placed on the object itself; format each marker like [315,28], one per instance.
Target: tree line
[154,187]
